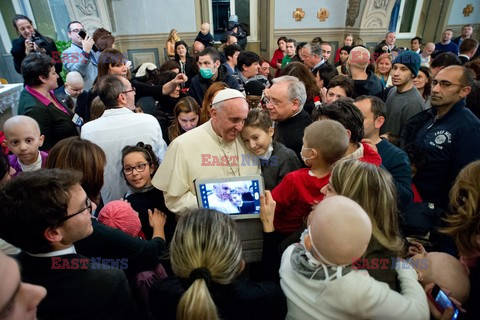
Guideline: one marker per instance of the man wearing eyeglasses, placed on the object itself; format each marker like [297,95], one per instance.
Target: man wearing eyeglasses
[44,213]
[448,134]
[289,116]
[78,57]
[118,127]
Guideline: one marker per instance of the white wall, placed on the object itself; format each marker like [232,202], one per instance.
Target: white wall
[284,14]
[154,16]
[456,13]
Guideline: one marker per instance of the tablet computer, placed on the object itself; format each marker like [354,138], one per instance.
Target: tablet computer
[238,197]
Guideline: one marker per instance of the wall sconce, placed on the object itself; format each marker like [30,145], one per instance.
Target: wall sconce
[298,14]
[323,14]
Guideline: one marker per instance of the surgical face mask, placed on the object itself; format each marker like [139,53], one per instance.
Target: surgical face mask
[305,159]
[310,258]
[330,270]
[207,73]
[317,251]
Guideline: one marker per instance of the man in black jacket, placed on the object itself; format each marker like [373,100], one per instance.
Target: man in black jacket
[448,134]
[385,46]
[286,98]
[44,212]
[365,83]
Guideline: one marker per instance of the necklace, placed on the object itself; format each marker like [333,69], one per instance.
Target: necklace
[231,159]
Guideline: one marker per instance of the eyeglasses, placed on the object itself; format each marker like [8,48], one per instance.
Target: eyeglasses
[445,84]
[272,101]
[131,90]
[76,30]
[89,206]
[139,168]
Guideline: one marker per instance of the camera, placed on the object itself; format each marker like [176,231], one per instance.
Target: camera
[39,41]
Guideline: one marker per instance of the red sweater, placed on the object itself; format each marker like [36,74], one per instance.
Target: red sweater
[277,58]
[295,196]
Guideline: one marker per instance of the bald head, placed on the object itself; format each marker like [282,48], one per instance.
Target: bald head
[74,77]
[74,84]
[359,57]
[205,27]
[444,270]
[340,230]
[430,47]
[198,47]
[16,123]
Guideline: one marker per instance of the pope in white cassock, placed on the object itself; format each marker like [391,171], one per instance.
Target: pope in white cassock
[212,150]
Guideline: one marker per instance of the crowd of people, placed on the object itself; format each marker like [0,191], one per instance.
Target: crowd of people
[371,164]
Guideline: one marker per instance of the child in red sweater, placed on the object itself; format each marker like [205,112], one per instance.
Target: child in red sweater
[324,142]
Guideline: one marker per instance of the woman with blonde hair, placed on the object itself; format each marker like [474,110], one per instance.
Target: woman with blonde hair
[206,257]
[208,98]
[383,66]
[186,117]
[170,45]
[374,190]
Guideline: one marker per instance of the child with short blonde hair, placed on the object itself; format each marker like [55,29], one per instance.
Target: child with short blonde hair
[324,142]
[24,139]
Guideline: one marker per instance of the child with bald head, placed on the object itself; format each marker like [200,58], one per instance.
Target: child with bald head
[319,281]
[442,269]
[24,139]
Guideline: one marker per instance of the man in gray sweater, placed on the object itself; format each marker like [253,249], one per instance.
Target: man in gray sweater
[403,101]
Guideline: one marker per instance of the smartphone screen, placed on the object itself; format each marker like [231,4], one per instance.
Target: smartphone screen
[82,34]
[442,301]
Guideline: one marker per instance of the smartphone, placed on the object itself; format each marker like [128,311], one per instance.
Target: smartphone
[82,34]
[442,301]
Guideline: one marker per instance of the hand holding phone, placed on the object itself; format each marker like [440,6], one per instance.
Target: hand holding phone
[87,43]
[442,302]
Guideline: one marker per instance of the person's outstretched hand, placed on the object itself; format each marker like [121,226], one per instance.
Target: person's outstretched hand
[157,220]
[267,211]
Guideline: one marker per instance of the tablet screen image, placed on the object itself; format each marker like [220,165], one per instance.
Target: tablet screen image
[238,197]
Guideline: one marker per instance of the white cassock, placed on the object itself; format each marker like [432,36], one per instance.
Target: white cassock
[225,206]
[199,153]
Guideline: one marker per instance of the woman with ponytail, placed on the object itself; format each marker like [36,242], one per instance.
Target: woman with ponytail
[206,258]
